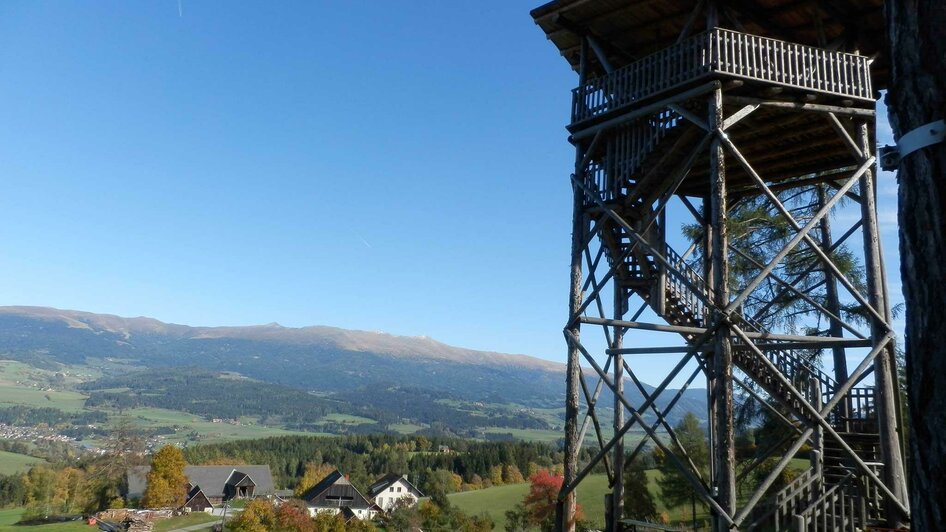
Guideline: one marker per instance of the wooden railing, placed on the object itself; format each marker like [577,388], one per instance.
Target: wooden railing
[682,282]
[797,369]
[790,64]
[852,505]
[625,153]
[778,512]
[725,53]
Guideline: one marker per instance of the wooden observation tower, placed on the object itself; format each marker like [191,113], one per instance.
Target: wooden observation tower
[732,118]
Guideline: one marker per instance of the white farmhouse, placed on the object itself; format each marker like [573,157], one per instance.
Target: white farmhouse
[390,490]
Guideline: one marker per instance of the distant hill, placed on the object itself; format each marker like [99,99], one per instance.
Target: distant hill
[376,374]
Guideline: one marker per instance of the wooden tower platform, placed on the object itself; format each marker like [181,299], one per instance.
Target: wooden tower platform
[685,112]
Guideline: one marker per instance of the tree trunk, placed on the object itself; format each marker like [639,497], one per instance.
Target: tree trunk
[917,96]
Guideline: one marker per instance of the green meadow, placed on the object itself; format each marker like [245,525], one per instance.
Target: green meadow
[11,463]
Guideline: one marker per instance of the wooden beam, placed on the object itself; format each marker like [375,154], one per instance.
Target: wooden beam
[798,106]
[581,131]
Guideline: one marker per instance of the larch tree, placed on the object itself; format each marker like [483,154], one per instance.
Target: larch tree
[916,97]
[675,489]
[313,474]
[638,501]
[167,483]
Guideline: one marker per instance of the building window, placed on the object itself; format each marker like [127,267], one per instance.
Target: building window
[399,489]
[391,489]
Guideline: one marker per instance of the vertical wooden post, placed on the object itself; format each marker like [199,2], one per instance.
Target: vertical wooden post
[565,509]
[617,491]
[660,288]
[832,302]
[817,436]
[567,521]
[885,364]
[725,482]
[710,280]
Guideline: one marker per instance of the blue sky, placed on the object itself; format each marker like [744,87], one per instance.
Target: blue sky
[396,166]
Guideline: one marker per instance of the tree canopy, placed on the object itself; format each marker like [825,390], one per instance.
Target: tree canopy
[674,487]
[167,483]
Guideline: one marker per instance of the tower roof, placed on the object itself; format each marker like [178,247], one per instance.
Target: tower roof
[631,29]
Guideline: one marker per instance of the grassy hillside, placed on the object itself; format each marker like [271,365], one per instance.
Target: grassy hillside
[389,379]
[11,463]
[497,500]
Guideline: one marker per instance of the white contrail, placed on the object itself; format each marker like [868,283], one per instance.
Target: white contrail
[180,8]
[365,242]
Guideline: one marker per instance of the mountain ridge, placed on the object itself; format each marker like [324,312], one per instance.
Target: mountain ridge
[347,339]
[390,379]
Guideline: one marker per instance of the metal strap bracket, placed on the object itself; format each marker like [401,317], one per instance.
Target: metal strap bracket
[921,137]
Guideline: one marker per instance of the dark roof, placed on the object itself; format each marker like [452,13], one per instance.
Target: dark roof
[196,494]
[335,491]
[239,478]
[631,29]
[213,480]
[384,482]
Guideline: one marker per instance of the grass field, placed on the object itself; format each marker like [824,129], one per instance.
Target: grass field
[12,394]
[497,500]
[208,431]
[8,518]
[539,435]
[196,518]
[16,372]
[11,463]
[348,419]
[405,428]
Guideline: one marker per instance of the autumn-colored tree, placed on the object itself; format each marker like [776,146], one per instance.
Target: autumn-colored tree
[403,516]
[360,525]
[763,470]
[40,484]
[294,516]
[328,522]
[533,469]
[512,475]
[476,482]
[496,475]
[312,475]
[541,499]
[167,484]
[69,493]
[257,516]
[423,444]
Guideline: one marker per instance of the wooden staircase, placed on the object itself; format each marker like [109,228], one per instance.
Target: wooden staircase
[679,297]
